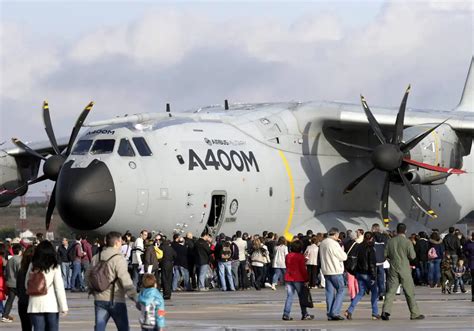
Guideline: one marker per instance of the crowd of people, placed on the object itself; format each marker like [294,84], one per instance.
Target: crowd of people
[150,267]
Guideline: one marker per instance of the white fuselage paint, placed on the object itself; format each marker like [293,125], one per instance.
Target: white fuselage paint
[157,192]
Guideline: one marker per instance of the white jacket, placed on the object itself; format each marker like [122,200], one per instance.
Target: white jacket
[138,250]
[242,246]
[55,300]
[311,254]
[332,256]
[279,260]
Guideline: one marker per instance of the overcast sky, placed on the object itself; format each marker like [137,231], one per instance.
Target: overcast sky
[132,57]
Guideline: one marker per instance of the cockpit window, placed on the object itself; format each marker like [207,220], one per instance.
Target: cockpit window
[125,148]
[82,147]
[142,146]
[103,146]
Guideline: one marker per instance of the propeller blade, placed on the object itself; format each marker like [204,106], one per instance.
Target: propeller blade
[372,121]
[356,182]
[385,195]
[77,127]
[31,182]
[363,148]
[49,128]
[416,197]
[37,180]
[434,168]
[27,149]
[398,133]
[405,147]
[51,206]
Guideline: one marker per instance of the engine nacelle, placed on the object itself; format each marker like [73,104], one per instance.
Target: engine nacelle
[14,172]
[9,178]
[442,148]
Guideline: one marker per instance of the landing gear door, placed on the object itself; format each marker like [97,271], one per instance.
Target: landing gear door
[216,212]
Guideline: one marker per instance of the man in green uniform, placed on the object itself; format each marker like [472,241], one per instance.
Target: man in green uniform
[399,251]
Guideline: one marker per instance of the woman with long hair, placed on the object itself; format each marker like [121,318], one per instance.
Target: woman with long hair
[434,260]
[23,298]
[44,309]
[259,258]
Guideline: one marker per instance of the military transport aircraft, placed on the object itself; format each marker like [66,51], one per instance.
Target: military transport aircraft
[285,167]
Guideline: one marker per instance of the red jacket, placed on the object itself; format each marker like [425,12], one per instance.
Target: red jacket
[296,268]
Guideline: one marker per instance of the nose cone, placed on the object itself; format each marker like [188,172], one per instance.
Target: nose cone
[85,197]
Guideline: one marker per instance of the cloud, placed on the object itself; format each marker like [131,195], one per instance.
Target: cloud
[191,59]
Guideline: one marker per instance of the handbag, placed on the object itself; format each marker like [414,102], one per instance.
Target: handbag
[36,284]
[306,298]
[351,263]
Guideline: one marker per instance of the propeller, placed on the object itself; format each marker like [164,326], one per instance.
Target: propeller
[54,162]
[390,156]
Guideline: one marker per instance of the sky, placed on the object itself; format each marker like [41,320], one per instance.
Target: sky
[135,56]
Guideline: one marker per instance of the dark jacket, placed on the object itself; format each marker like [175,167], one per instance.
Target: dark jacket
[189,243]
[150,259]
[169,255]
[438,245]
[421,250]
[451,244]
[62,254]
[366,260]
[181,255]
[469,251]
[379,246]
[202,252]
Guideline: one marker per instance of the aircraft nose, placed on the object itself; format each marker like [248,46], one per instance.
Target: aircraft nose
[85,197]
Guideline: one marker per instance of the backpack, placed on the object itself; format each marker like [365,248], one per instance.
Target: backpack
[159,253]
[432,253]
[36,284]
[148,318]
[71,253]
[99,279]
[260,256]
[351,263]
[226,252]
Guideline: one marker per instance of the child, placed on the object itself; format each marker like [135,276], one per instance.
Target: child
[459,271]
[446,274]
[151,304]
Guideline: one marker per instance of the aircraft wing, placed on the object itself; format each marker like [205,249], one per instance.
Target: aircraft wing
[343,115]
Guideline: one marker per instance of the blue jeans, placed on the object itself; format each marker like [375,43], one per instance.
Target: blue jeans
[365,283]
[334,294]
[225,271]
[44,321]
[66,273]
[235,272]
[434,271]
[291,289]
[278,273]
[76,278]
[422,272]
[106,309]
[179,271]
[381,279]
[458,282]
[203,269]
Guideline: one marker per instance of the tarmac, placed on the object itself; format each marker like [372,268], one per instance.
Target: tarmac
[262,310]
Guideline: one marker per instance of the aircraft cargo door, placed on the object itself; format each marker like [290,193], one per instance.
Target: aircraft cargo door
[216,213]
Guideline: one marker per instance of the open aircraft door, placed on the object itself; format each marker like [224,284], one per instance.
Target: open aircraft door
[216,212]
